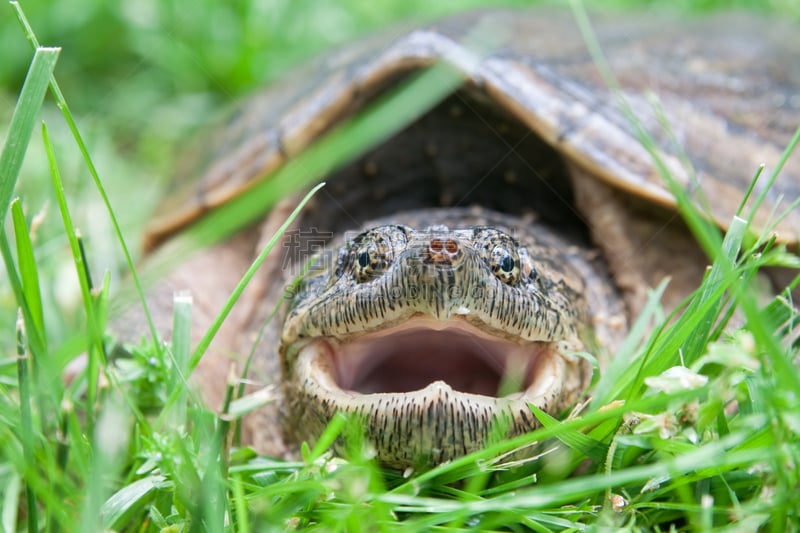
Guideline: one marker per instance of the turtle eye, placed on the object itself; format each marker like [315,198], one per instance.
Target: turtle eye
[507,263]
[371,261]
[500,252]
[373,251]
[504,265]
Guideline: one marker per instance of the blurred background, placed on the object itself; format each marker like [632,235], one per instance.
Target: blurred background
[142,76]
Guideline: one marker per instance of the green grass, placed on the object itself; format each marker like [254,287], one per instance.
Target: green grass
[135,451]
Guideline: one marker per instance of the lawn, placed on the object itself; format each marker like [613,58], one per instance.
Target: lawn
[128,452]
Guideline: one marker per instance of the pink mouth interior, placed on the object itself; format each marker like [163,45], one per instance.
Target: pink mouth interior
[409,359]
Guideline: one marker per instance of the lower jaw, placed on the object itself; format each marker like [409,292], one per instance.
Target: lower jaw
[431,425]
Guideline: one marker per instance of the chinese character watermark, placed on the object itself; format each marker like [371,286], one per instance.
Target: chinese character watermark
[301,245]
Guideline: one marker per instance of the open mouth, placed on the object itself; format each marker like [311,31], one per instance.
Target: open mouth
[422,351]
[405,363]
[431,390]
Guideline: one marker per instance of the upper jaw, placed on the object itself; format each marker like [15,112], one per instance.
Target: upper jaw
[411,287]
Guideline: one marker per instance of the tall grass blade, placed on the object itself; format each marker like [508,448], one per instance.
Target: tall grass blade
[749,192]
[346,141]
[181,351]
[22,122]
[27,268]
[36,343]
[705,232]
[97,357]
[212,331]
[612,383]
[10,494]
[719,278]
[790,148]
[204,343]
[62,105]
[26,419]
[13,152]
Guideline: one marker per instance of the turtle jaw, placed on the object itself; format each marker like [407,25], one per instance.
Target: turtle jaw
[427,389]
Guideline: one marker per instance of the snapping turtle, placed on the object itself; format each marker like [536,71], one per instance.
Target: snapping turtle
[514,225]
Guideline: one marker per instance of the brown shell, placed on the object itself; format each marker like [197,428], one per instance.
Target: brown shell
[727,86]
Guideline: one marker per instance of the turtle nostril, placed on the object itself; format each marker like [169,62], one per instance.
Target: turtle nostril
[444,251]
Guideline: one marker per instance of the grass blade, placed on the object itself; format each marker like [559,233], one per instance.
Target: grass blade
[96,350]
[576,440]
[573,489]
[181,350]
[26,418]
[202,346]
[611,383]
[36,343]
[128,501]
[10,495]
[27,268]
[16,144]
[212,331]
[705,232]
[790,148]
[22,122]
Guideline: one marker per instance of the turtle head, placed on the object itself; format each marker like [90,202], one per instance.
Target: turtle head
[403,320]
